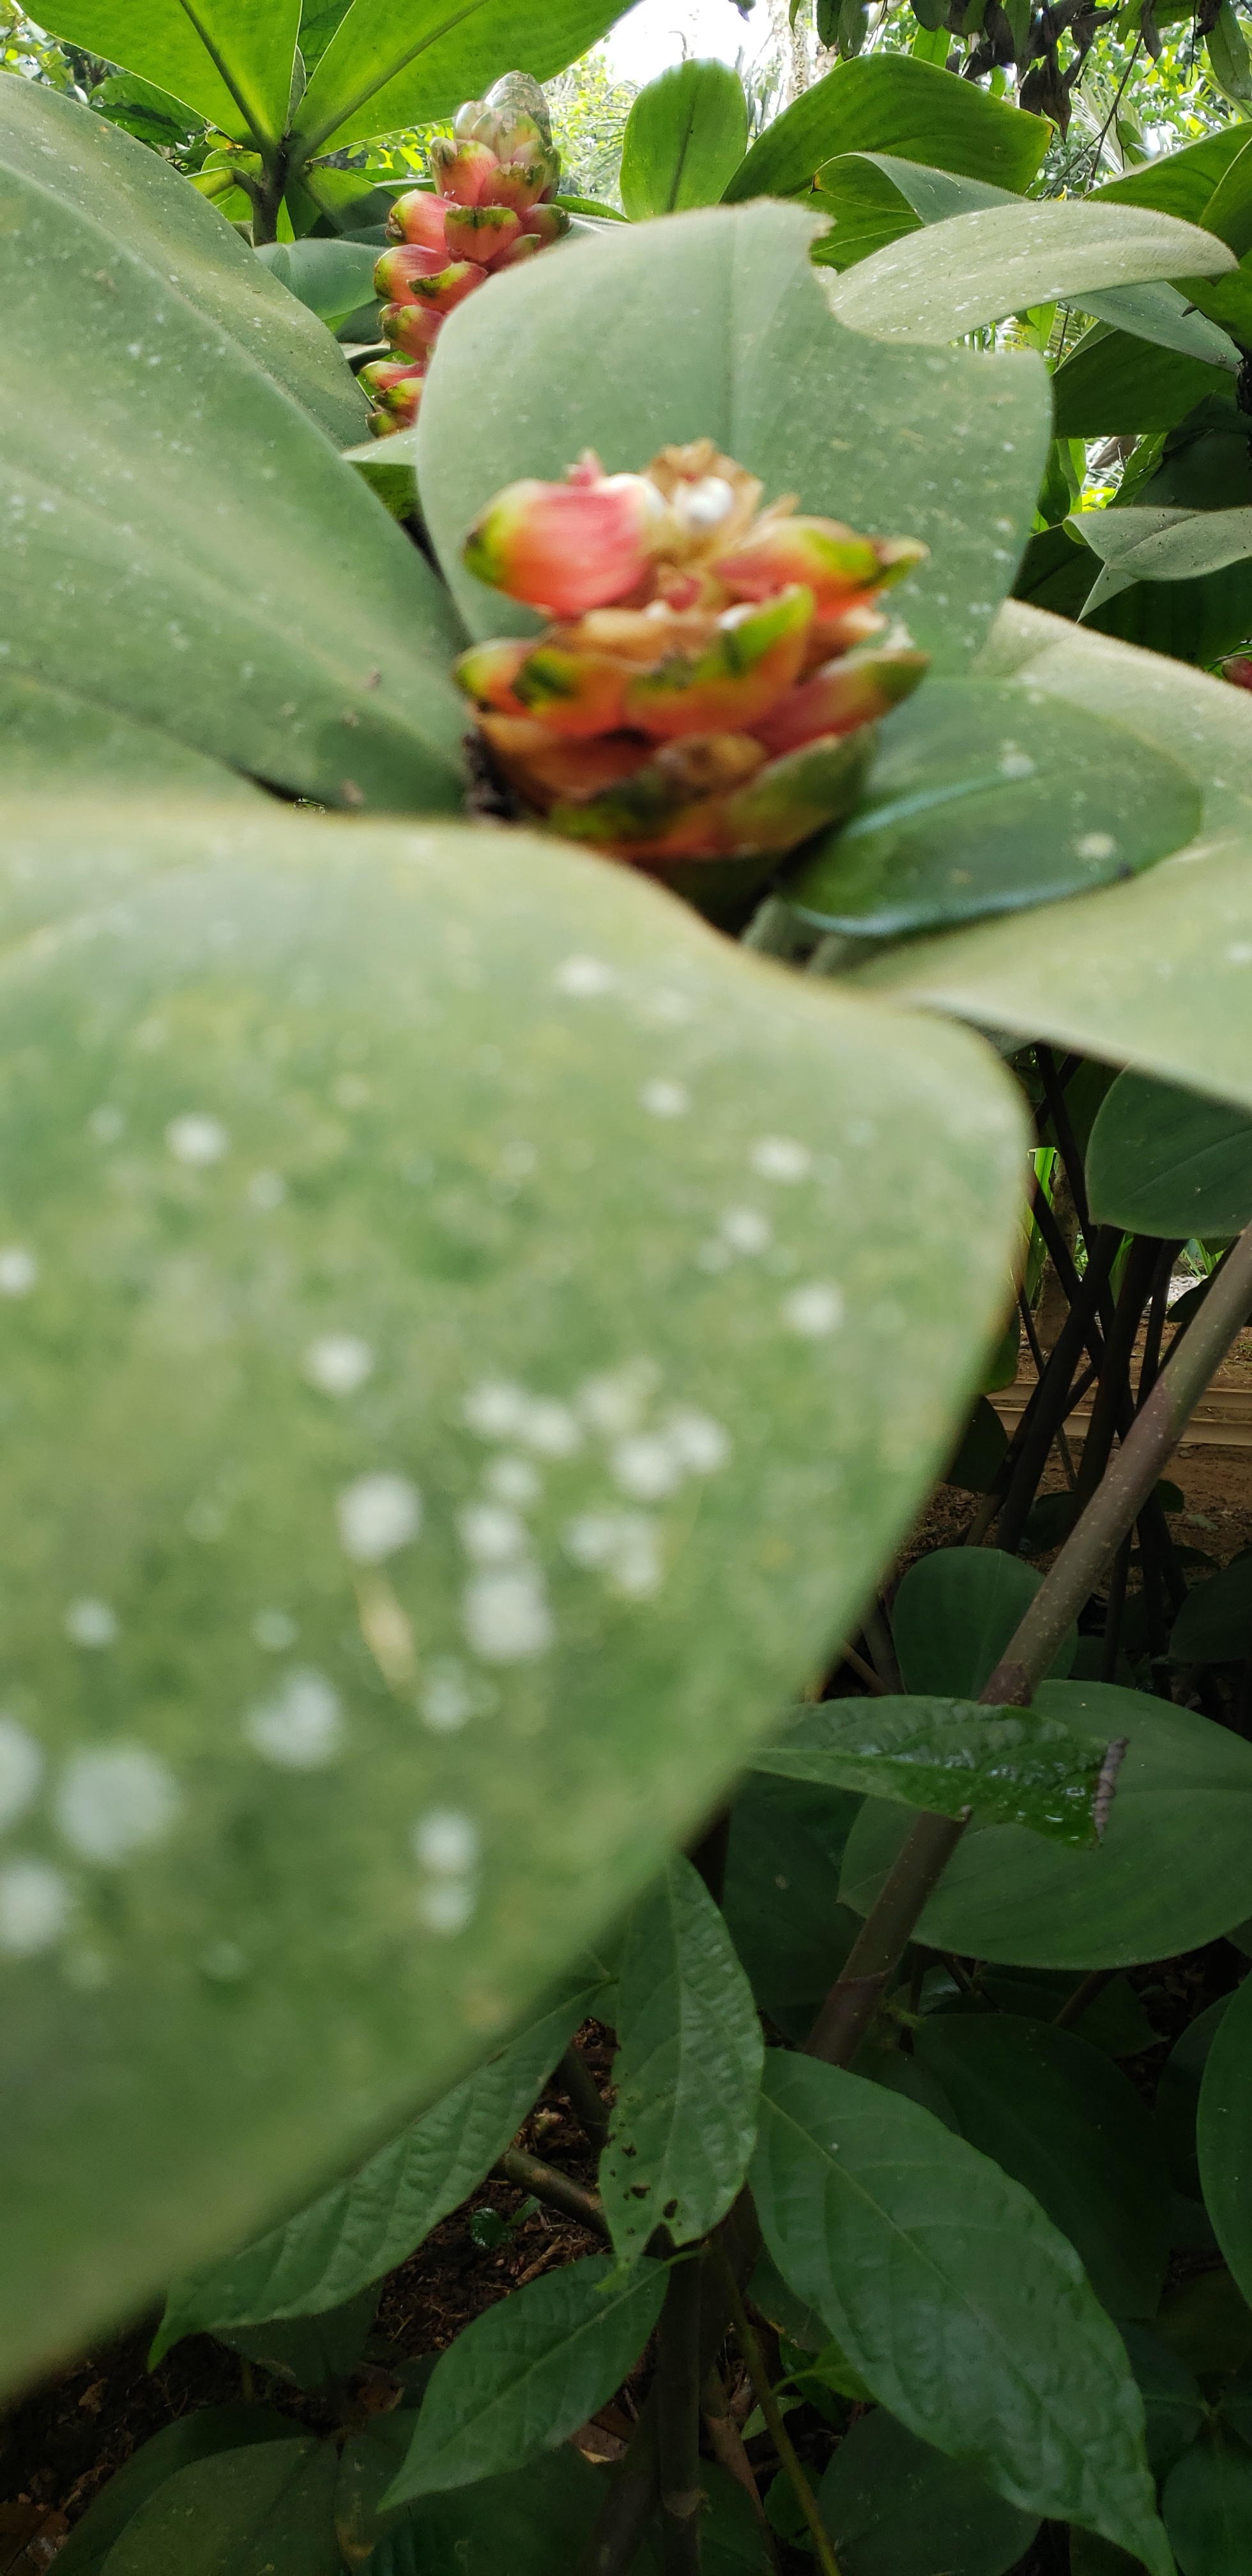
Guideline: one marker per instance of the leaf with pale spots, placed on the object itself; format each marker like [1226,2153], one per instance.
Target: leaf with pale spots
[1006,1766]
[353,1701]
[687,2071]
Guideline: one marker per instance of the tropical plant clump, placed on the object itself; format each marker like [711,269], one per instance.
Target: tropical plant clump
[710,659]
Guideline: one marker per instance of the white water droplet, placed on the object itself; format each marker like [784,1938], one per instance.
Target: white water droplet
[338,1363]
[91,1623]
[697,1440]
[35,1907]
[267,1190]
[21,1769]
[197,1139]
[665,1099]
[506,1615]
[814,1311]
[115,1801]
[746,1230]
[377,1515]
[514,1480]
[301,1728]
[584,978]
[446,1842]
[19,1270]
[646,1467]
[1095,845]
[781,1158]
[275,1631]
[491,1534]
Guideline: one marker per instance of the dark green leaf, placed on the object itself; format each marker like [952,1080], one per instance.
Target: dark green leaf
[368,2462]
[386,67]
[982,1450]
[195,2436]
[899,106]
[365,2226]
[144,111]
[1114,2020]
[1089,975]
[1208,2323]
[260,1138]
[687,2072]
[1224,2135]
[895,2507]
[1182,183]
[984,801]
[1207,2503]
[955,1612]
[1214,1625]
[1228,54]
[781,1897]
[525,2375]
[533,2523]
[1115,386]
[228,59]
[1161,544]
[1068,2125]
[947,2287]
[1178,2096]
[1171,2395]
[189,551]
[1007,1766]
[720,329]
[685,136]
[1174,1868]
[313,2351]
[265,2511]
[1163,1161]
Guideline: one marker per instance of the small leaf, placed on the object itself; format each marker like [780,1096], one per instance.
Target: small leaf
[524,2376]
[1207,2503]
[1214,1625]
[895,2507]
[955,1613]
[981,801]
[962,2306]
[333,278]
[531,2523]
[687,2072]
[1173,1870]
[951,1757]
[686,134]
[365,2226]
[313,2352]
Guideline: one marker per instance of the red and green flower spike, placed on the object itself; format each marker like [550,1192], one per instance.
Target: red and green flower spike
[568,546]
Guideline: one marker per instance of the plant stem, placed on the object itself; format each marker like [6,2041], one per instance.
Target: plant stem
[882,1652]
[1128,1482]
[1115,1369]
[1055,1396]
[678,2379]
[574,2078]
[1113,1614]
[711,1854]
[727,2444]
[1075,2005]
[775,2423]
[557,2190]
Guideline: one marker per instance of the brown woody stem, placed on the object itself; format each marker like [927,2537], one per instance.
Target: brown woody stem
[556,2190]
[1124,1490]
[768,2404]
[678,2378]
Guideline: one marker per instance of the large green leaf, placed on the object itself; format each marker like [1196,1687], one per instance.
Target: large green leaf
[194,2436]
[51,734]
[685,135]
[1161,1161]
[229,59]
[781,1897]
[1157,974]
[951,1757]
[1178,2096]
[1160,545]
[954,1614]
[1181,183]
[531,2523]
[943,282]
[1207,2504]
[263,2511]
[1069,2126]
[1117,386]
[120,244]
[720,329]
[387,67]
[1172,2402]
[334,278]
[874,198]
[961,2305]
[687,2071]
[1214,1625]
[1174,1868]
[1224,2135]
[321,1148]
[363,2227]
[987,799]
[526,2374]
[895,2507]
[897,105]
[189,550]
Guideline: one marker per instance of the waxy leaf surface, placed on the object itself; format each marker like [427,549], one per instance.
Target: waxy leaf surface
[1162,1161]
[1006,1766]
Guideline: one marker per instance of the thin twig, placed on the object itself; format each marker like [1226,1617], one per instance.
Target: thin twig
[1075,2005]
[678,2381]
[865,1672]
[574,2078]
[726,2442]
[556,2190]
[775,2424]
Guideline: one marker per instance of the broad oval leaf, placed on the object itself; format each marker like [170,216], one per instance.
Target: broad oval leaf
[1067,2124]
[958,276]
[1161,1161]
[1172,2402]
[1214,1625]
[531,2523]
[874,198]
[957,2300]
[1174,1868]
[720,330]
[197,2435]
[1155,544]
[1178,2096]
[897,105]
[106,199]
[951,1757]
[781,1897]
[685,135]
[364,1500]
[526,2374]
[189,551]
[1156,974]
[1113,385]
[1207,2504]
[52,734]
[1224,2135]
[363,2227]
[264,2511]
[895,2507]
[954,1614]
[687,2070]
[386,67]
[333,278]
[229,59]
[982,801]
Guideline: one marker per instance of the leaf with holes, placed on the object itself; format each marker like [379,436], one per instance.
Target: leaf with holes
[687,2071]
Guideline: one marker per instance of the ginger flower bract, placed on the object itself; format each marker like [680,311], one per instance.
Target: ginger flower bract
[494,179]
[709,666]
